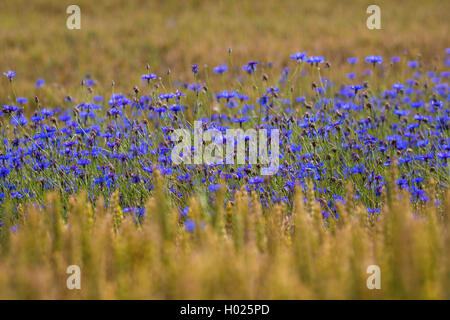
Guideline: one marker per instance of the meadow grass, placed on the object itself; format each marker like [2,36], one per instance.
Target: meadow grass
[118,38]
[86,176]
[242,252]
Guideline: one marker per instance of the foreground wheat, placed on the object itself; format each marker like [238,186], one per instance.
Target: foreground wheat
[238,252]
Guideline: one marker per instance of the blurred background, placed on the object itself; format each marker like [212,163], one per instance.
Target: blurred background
[119,37]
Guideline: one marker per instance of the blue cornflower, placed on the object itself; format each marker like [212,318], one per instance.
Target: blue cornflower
[352,60]
[299,56]
[176,108]
[195,68]
[195,87]
[98,98]
[84,162]
[161,110]
[250,67]
[356,87]
[413,64]
[373,210]
[231,104]
[315,60]
[128,209]
[263,100]
[374,59]
[4,172]
[398,86]
[256,180]
[184,212]
[179,94]
[21,120]
[419,117]
[21,100]
[88,82]
[64,117]
[47,112]
[213,187]
[166,96]
[226,95]
[272,89]
[39,83]
[417,104]
[10,74]
[285,72]
[37,118]
[241,120]
[221,69]
[325,214]
[9,108]
[189,225]
[395,59]
[148,77]
[444,155]
[242,97]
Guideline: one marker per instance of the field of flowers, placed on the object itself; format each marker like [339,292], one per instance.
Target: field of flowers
[363,179]
[88,178]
